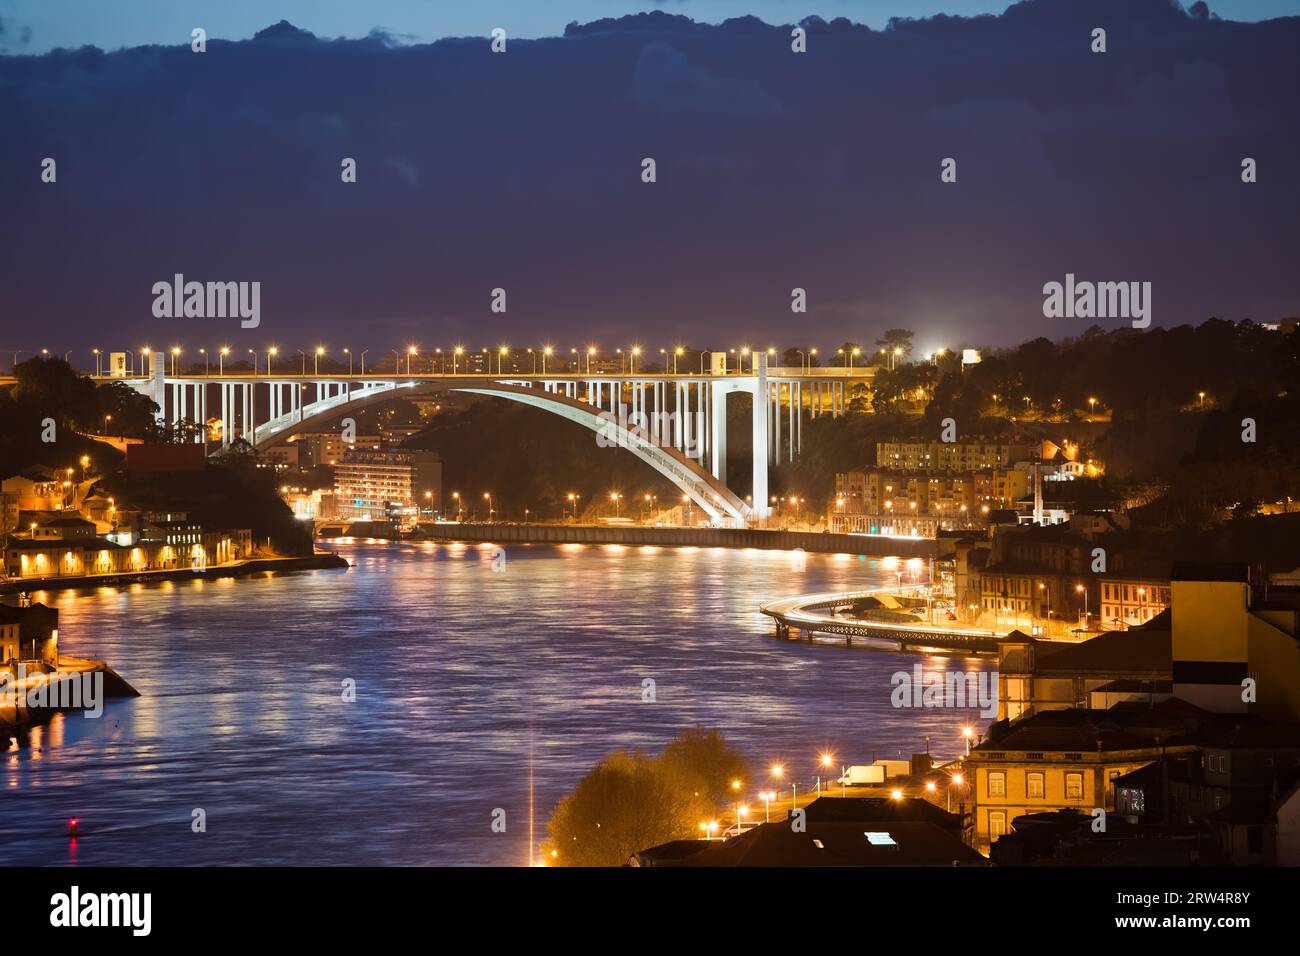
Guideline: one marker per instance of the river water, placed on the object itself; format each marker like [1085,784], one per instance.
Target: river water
[464,677]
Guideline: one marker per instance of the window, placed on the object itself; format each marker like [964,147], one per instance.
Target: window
[997,825]
[1074,786]
[1034,786]
[997,784]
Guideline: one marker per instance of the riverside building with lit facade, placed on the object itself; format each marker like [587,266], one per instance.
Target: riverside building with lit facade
[388,485]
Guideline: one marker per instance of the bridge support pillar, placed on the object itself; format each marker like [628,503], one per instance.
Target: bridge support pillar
[761,433]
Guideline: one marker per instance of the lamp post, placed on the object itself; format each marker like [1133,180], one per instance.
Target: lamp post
[410,351]
[348,353]
[545,354]
[304,361]
[315,368]
[1081,589]
[363,360]
[254,354]
[591,351]
[271,353]
[491,510]
[456,353]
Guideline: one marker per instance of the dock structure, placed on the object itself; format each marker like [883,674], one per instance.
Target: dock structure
[803,617]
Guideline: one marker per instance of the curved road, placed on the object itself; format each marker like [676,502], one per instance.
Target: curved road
[815,613]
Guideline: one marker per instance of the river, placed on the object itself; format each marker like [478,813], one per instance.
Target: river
[467,671]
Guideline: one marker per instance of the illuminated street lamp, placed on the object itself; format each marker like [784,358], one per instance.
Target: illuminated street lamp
[320,350]
[455,354]
[487,496]
[546,352]
[271,353]
[410,351]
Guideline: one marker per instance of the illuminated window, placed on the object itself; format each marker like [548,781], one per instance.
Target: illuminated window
[1074,786]
[876,838]
[997,784]
[1034,785]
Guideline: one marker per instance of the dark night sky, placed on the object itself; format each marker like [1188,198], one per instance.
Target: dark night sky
[775,170]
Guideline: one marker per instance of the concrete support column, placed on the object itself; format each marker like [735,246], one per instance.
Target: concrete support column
[718,433]
[760,433]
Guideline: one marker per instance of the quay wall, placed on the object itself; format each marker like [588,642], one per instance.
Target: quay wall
[813,542]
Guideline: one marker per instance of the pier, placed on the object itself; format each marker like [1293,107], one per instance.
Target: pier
[805,616]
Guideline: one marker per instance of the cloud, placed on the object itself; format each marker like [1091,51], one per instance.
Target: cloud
[665,81]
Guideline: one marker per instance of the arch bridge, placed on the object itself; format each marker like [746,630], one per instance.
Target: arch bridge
[677,424]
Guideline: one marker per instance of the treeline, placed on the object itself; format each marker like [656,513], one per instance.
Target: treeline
[50,399]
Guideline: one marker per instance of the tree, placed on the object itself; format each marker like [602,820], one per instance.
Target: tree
[628,802]
[850,350]
[631,801]
[798,357]
[896,340]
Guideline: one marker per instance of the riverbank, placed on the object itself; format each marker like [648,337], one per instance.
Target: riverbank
[809,541]
[35,698]
[321,559]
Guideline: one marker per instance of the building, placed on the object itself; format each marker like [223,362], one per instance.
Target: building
[1238,784]
[976,455]
[1066,759]
[1037,675]
[1128,600]
[1234,647]
[885,501]
[328,448]
[40,489]
[387,485]
[28,635]
[160,545]
[836,832]
[1033,576]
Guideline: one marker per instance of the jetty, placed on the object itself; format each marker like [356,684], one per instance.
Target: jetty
[37,681]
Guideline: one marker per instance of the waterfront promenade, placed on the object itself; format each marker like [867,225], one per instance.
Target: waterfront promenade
[320,559]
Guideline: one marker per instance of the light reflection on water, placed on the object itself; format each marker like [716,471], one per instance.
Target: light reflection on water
[455,666]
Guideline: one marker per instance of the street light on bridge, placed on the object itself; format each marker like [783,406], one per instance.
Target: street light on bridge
[221,359]
[455,353]
[320,350]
